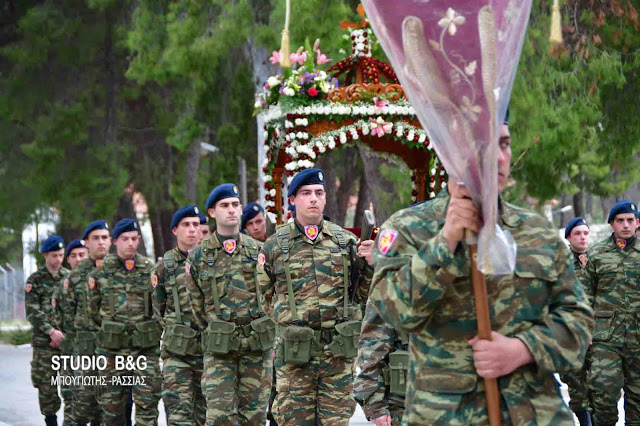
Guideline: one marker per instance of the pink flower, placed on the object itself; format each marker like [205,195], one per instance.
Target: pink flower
[298,57]
[322,58]
[379,127]
[380,103]
[313,92]
[275,57]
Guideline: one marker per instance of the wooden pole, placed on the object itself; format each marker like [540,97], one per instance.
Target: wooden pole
[491,390]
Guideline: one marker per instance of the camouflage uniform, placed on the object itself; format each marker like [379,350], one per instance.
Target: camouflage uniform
[577,381]
[182,364]
[613,287]
[422,288]
[85,403]
[119,301]
[372,385]
[62,294]
[44,316]
[237,370]
[317,391]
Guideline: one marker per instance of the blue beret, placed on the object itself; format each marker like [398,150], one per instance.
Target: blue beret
[94,226]
[125,225]
[250,211]
[220,192]
[181,213]
[506,117]
[74,245]
[305,177]
[576,221]
[203,219]
[53,243]
[620,207]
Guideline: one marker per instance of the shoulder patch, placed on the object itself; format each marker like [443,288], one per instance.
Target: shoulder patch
[386,239]
[92,283]
[28,287]
[66,283]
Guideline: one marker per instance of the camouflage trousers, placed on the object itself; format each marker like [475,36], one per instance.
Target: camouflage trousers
[577,384]
[236,387]
[318,392]
[85,402]
[614,368]
[181,390]
[41,376]
[67,392]
[146,394]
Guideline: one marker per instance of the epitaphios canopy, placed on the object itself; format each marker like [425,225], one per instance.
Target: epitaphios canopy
[457,61]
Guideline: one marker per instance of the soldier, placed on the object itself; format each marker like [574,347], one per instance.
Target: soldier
[204,227]
[237,338]
[75,253]
[613,287]
[254,222]
[542,321]
[97,239]
[47,335]
[304,275]
[577,233]
[181,352]
[119,298]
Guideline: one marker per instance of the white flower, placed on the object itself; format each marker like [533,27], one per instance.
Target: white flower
[433,171]
[288,91]
[290,166]
[267,178]
[321,76]
[422,138]
[314,109]
[288,124]
[272,192]
[393,109]
[442,172]
[371,110]
[273,81]
[265,162]
[432,184]
[289,179]
[306,110]
[258,104]
[332,144]
[450,21]
[322,149]
[432,194]
[343,137]
[411,135]
[444,185]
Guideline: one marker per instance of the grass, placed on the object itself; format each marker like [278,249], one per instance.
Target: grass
[15,337]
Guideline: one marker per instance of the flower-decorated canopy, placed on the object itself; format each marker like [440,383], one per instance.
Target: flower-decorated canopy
[306,114]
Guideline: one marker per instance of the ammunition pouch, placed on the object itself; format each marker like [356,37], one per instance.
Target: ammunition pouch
[263,333]
[85,343]
[398,372]
[181,340]
[112,335]
[345,341]
[66,347]
[146,334]
[299,344]
[220,338]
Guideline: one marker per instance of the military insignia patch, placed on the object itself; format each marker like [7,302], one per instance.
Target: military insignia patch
[261,260]
[99,262]
[66,283]
[320,176]
[386,239]
[235,189]
[256,209]
[311,231]
[129,264]
[54,302]
[187,268]
[92,283]
[60,245]
[154,280]
[621,243]
[583,259]
[196,211]
[28,287]
[229,246]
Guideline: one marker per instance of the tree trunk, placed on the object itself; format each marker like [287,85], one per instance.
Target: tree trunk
[374,180]
[364,200]
[578,203]
[191,172]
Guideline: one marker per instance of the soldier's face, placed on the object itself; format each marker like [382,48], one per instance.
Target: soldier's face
[257,227]
[98,243]
[227,212]
[309,201]
[76,256]
[624,225]
[204,232]
[504,157]
[127,244]
[579,238]
[53,259]
[187,232]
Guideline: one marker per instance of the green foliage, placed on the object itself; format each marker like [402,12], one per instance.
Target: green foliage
[400,175]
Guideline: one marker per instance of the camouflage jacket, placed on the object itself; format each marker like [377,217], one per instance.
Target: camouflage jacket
[41,304]
[78,293]
[377,341]
[118,294]
[422,288]
[581,269]
[234,276]
[317,275]
[613,286]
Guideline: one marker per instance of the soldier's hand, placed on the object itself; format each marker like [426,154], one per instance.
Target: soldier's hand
[499,356]
[365,249]
[382,421]
[462,214]
[56,338]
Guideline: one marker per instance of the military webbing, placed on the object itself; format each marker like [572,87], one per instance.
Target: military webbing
[252,253]
[170,264]
[283,242]
[147,303]
[342,242]
[85,297]
[211,275]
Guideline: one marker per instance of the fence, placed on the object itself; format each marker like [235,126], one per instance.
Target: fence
[12,292]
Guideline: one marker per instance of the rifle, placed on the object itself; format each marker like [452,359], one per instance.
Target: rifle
[271,225]
[357,273]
